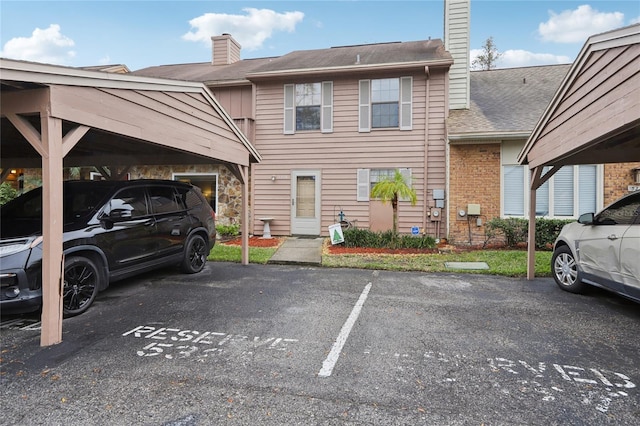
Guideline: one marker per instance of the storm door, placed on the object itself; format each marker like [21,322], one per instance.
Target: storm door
[305,203]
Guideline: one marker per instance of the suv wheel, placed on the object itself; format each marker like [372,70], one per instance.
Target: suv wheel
[81,285]
[565,270]
[195,255]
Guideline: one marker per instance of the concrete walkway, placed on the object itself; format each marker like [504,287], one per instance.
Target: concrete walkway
[299,251]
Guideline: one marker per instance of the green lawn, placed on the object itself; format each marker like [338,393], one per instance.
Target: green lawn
[511,263]
[232,253]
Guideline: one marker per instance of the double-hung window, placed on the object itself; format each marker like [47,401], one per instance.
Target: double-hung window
[368,178]
[308,107]
[385,103]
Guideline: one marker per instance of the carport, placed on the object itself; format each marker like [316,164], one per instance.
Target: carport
[594,117]
[55,117]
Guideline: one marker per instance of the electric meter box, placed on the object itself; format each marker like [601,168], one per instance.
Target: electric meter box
[473,209]
[436,214]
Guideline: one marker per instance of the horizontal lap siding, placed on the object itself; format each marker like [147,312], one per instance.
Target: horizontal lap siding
[184,121]
[339,154]
[603,98]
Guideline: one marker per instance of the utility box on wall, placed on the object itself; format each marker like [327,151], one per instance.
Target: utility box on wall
[473,209]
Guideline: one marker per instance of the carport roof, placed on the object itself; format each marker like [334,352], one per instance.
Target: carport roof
[131,119]
[594,116]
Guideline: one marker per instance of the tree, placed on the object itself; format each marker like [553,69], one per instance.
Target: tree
[392,190]
[488,57]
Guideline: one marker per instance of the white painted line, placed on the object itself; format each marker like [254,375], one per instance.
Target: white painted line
[332,358]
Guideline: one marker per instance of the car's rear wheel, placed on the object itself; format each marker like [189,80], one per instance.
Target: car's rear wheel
[195,255]
[565,270]
[81,285]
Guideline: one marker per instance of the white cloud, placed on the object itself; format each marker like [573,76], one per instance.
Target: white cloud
[250,30]
[47,46]
[576,26]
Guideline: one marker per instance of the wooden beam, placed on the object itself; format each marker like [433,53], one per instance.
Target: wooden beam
[28,131]
[52,221]
[244,171]
[72,138]
[531,240]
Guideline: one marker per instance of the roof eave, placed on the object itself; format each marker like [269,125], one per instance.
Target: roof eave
[495,137]
[350,69]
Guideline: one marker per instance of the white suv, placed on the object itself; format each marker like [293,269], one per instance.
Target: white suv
[601,250]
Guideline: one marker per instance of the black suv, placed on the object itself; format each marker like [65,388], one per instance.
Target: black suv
[112,230]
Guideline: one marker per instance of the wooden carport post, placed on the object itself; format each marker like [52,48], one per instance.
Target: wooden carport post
[531,239]
[52,224]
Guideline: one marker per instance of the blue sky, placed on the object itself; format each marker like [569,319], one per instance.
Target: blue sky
[147,33]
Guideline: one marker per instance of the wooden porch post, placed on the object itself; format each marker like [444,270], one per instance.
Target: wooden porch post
[531,240]
[244,170]
[52,221]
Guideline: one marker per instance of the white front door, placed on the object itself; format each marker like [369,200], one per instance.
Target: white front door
[305,202]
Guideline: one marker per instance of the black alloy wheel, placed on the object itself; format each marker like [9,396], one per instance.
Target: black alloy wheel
[81,285]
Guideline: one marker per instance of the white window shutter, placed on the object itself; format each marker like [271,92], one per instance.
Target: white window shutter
[363,185]
[406,92]
[326,113]
[365,107]
[406,174]
[289,109]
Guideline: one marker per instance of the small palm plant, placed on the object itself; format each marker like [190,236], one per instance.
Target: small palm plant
[392,190]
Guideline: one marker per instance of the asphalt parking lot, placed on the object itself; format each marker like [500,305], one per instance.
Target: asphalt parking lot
[274,344]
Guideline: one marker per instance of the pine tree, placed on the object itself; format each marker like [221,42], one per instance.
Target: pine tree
[487,59]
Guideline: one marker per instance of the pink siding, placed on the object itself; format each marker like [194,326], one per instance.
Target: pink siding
[605,97]
[339,154]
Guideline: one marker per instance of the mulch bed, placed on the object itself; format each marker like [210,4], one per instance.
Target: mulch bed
[255,242]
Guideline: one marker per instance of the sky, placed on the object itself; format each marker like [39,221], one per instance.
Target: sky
[146,33]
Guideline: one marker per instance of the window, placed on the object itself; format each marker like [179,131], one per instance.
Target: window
[308,106]
[385,103]
[571,191]
[130,202]
[208,184]
[367,178]
[163,199]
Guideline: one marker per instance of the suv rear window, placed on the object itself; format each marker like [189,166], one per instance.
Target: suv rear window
[191,199]
[163,199]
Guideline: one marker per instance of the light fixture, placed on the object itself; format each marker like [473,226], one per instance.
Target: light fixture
[273,178]
[14,171]
[636,174]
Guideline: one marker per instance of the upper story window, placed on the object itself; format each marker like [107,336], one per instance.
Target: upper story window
[385,103]
[308,106]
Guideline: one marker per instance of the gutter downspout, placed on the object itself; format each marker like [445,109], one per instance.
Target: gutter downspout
[426,149]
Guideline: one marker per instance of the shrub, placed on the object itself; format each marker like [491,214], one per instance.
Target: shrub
[7,193]
[516,230]
[356,237]
[228,230]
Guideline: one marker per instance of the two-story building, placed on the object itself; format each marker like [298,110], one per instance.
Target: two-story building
[331,123]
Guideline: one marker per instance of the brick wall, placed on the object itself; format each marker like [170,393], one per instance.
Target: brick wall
[617,179]
[474,179]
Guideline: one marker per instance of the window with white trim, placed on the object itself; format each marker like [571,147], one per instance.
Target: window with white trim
[367,179]
[570,192]
[308,106]
[385,103]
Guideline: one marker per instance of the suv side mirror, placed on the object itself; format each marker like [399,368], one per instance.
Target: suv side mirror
[120,214]
[586,219]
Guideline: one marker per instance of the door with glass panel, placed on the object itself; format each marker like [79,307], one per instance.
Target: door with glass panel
[305,202]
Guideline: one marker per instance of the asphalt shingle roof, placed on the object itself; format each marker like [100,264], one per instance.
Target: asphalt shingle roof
[507,100]
[369,54]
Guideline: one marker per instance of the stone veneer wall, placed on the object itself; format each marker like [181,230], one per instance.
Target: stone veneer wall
[229,207]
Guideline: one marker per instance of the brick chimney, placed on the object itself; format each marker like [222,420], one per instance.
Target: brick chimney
[224,50]
[457,26]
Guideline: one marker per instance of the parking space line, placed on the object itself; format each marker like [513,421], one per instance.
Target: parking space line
[332,358]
